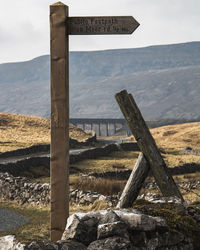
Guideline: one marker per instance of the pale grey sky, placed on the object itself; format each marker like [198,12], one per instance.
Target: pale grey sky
[24,25]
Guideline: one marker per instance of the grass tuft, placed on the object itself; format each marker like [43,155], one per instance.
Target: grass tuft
[101,186]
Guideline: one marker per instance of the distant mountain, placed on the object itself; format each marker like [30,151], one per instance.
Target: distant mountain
[164,80]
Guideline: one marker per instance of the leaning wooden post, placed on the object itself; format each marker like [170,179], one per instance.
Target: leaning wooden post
[147,144]
[134,183]
[59,163]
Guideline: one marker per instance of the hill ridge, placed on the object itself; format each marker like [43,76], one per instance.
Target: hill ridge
[161,78]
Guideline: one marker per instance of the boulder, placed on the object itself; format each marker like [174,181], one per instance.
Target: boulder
[82,228]
[123,229]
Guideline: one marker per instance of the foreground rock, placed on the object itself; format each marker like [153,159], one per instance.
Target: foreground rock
[9,242]
[125,229]
[122,229]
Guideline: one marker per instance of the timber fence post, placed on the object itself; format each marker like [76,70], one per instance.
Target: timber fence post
[134,183]
[147,144]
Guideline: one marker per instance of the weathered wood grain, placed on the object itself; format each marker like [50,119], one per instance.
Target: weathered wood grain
[134,183]
[101,25]
[59,161]
[147,144]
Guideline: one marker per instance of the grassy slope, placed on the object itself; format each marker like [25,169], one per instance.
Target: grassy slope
[178,136]
[18,131]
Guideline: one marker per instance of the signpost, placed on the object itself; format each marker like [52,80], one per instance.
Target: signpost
[101,25]
[61,26]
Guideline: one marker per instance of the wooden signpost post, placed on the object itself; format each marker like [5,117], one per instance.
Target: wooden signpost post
[61,26]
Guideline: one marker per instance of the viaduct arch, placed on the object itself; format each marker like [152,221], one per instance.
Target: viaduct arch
[107,125]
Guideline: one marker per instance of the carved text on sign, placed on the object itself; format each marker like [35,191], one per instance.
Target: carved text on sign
[101,25]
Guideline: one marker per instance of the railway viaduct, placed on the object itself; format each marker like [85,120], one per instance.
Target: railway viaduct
[102,127]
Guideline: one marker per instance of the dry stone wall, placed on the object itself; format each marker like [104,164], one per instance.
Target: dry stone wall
[24,191]
[17,167]
[46,147]
[186,168]
[21,165]
[25,151]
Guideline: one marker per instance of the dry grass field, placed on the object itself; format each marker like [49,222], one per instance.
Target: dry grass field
[19,131]
[176,137]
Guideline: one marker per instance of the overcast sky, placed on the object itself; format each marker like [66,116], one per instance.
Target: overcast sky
[24,25]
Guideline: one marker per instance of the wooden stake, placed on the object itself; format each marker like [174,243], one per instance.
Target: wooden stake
[147,144]
[134,183]
[59,163]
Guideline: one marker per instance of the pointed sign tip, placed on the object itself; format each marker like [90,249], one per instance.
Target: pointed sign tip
[134,24]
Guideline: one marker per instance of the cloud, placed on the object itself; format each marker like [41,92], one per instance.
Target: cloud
[24,25]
